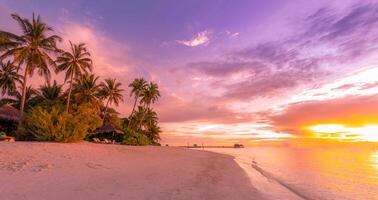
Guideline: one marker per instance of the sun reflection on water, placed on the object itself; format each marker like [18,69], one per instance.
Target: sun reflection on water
[374,160]
[338,131]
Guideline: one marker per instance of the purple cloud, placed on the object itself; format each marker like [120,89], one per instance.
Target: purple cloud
[328,38]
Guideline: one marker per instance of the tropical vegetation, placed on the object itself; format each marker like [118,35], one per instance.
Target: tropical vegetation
[9,78]
[72,110]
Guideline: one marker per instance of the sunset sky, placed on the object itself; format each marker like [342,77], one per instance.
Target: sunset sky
[232,71]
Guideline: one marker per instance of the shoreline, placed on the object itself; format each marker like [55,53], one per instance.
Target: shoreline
[268,186]
[35,170]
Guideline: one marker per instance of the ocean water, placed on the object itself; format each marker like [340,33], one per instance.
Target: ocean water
[311,173]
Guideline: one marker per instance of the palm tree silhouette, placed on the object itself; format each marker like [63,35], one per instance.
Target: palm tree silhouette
[150,95]
[8,78]
[75,63]
[31,49]
[50,92]
[86,89]
[112,91]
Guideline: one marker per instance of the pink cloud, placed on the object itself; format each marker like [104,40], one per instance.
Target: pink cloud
[202,38]
[110,58]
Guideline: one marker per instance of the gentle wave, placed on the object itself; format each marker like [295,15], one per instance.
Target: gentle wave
[311,173]
[282,183]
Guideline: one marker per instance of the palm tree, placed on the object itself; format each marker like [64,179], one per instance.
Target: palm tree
[149,121]
[153,134]
[150,118]
[75,63]
[150,95]
[111,91]
[8,78]
[31,49]
[50,92]
[137,116]
[138,86]
[15,98]
[3,41]
[86,89]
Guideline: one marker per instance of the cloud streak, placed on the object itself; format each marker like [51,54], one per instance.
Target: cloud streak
[242,87]
[329,38]
[202,38]
[328,44]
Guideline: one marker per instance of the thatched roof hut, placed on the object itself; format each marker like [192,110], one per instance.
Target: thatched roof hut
[9,113]
[107,128]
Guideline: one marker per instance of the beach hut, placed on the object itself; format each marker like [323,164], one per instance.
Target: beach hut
[108,131]
[9,119]
[9,113]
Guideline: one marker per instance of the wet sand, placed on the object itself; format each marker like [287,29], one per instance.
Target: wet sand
[31,170]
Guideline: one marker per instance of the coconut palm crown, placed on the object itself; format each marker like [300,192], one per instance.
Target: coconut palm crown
[137,88]
[75,63]
[86,89]
[150,95]
[111,91]
[31,50]
[50,92]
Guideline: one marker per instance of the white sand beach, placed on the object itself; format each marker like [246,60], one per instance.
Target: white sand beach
[33,170]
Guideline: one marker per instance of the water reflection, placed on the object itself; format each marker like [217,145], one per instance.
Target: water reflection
[346,173]
[374,160]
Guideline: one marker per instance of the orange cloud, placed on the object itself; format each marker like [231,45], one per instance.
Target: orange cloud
[349,111]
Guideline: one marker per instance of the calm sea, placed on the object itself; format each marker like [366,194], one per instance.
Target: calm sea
[326,173]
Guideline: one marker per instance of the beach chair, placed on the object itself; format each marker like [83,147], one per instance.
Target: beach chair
[96,140]
[7,139]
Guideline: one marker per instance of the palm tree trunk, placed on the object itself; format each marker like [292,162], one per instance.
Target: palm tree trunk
[144,114]
[106,107]
[22,106]
[69,94]
[132,112]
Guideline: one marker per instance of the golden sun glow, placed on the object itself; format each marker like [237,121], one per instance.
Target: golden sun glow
[338,131]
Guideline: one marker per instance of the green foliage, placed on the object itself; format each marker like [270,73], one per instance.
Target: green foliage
[55,124]
[49,94]
[143,122]
[32,49]
[2,133]
[114,120]
[134,138]
[136,118]
[75,63]
[86,90]
[137,88]
[15,98]
[9,77]
[151,94]
[111,91]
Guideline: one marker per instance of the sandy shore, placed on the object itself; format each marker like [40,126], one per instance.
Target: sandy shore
[96,171]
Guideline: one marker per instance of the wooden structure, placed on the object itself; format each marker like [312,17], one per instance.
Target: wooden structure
[9,119]
[9,113]
[108,131]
